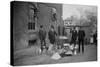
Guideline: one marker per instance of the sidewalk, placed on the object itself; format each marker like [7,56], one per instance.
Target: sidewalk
[28,56]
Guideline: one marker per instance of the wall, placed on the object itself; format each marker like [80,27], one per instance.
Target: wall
[20,20]
[44,15]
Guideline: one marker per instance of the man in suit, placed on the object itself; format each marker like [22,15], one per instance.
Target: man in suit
[95,38]
[42,37]
[74,36]
[52,35]
[81,36]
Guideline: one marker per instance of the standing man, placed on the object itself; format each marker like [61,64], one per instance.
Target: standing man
[81,36]
[52,35]
[74,36]
[42,37]
[95,38]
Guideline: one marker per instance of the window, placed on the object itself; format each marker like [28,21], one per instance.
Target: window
[31,26]
[32,16]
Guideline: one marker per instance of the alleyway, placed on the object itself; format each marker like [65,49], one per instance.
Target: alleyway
[28,56]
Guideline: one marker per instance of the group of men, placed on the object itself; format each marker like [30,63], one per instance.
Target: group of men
[77,36]
[51,36]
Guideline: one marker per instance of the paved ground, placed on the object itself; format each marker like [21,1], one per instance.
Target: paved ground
[30,56]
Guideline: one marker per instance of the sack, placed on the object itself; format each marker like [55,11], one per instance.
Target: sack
[76,47]
[56,56]
[72,47]
[69,52]
[91,40]
[66,44]
[50,47]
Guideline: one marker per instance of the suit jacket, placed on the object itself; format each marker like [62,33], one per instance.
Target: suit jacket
[81,34]
[42,34]
[74,35]
[52,35]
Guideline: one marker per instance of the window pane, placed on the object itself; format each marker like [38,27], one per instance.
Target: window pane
[31,26]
